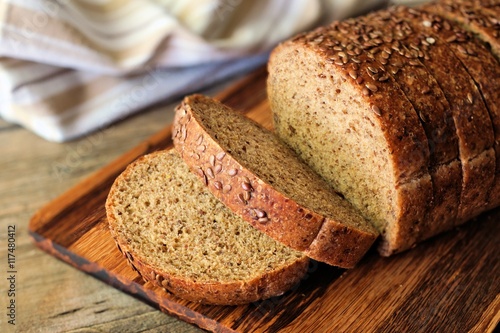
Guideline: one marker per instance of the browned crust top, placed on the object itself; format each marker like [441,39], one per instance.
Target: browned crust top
[396,115]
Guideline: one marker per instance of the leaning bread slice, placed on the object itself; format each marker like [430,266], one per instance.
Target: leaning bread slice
[178,236]
[255,174]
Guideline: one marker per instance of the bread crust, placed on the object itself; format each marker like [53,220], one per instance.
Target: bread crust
[272,283]
[258,202]
[434,112]
[478,17]
[483,67]
[471,116]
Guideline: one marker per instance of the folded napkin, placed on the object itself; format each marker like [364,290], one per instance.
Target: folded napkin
[69,67]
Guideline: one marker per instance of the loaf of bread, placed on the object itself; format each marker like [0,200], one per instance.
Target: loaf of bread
[261,179]
[178,236]
[386,109]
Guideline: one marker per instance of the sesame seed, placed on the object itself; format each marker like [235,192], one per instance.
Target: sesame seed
[212,160]
[384,78]
[371,86]
[246,195]
[200,172]
[232,172]
[260,213]
[199,140]
[376,110]
[246,186]
[217,184]
[201,148]
[430,40]
[210,172]
[353,74]
[359,80]
[426,90]
[263,220]
[451,39]
[220,156]
[469,98]
[373,69]
[226,188]
[196,156]
[218,168]
[365,91]
[242,198]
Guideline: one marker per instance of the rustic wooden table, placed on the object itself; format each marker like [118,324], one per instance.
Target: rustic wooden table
[51,296]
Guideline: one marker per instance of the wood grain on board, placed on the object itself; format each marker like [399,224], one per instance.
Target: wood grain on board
[450,283]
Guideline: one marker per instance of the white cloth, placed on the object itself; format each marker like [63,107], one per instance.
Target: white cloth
[68,67]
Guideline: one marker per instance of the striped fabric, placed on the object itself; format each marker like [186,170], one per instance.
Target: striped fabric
[68,67]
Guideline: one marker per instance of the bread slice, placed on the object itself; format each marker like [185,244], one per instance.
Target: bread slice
[482,66]
[256,175]
[479,17]
[178,236]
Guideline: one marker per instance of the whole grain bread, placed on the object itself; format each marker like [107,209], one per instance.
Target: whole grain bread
[178,236]
[256,175]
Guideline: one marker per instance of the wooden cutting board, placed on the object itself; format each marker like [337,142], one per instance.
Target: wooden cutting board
[448,284]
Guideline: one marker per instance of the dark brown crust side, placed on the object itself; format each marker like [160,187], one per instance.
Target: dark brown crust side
[259,203]
[483,67]
[472,119]
[482,20]
[273,283]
